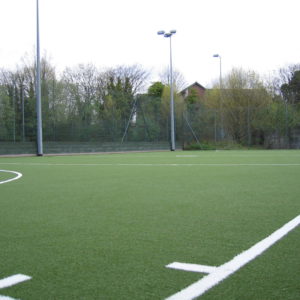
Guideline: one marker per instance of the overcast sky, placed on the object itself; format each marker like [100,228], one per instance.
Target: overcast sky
[261,35]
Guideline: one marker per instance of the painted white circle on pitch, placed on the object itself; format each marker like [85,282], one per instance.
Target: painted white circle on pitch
[18,175]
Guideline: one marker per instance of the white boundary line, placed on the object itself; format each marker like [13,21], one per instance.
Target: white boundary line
[13,280]
[187,155]
[222,272]
[192,267]
[19,175]
[152,165]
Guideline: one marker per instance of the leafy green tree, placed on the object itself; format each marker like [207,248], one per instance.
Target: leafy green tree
[238,104]
[6,116]
[20,88]
[81,87]
[291,89]
[118,88]
[156,89]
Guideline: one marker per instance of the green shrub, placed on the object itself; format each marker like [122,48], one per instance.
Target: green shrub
[206,145]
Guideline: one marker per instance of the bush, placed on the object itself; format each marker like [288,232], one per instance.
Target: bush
[225,145]
[200,146]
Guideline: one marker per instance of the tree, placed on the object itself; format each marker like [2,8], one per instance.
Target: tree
[83,104]
[192,97]
[291,88]
[118,88]
[156,89]
[178,79]
[81,85]
[238,104]
[6,116]
[132,78]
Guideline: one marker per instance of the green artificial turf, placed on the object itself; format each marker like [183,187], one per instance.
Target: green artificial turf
[104,226]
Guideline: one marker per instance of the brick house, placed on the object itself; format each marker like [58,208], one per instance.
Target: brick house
[196,88]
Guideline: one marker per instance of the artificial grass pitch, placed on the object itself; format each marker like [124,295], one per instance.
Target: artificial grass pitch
[105,226]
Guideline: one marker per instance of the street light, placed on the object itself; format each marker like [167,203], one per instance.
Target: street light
[169,35]
[38,86]
[219,56]
[221,96]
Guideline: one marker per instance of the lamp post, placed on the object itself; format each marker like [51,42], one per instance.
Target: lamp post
[38,86]
[221,96]
[169,35]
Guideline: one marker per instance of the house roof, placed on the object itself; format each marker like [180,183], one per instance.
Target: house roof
[195,84]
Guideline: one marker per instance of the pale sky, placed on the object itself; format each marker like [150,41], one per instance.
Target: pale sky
[261,35]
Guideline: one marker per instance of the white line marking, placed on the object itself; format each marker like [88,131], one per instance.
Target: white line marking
[19,175]
[152,165]
[12,280]
[187,155]
[191,267]
[222,272]
[6,298]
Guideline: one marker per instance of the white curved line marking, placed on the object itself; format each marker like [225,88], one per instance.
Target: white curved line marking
[19,175]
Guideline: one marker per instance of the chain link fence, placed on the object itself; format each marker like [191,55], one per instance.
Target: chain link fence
[144,126]
[270,127]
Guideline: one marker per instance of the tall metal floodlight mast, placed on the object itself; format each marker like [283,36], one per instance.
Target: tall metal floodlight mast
[169,35]
[221,96]
[38,86]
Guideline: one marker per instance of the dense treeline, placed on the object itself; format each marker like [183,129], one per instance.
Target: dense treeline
[73,106]
[85,103]
[249,111]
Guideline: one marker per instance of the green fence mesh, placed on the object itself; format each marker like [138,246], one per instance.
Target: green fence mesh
[72,124]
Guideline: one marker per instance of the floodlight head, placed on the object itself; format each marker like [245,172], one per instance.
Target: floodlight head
[216,55]
[161,32]
[167,34]
[173,31]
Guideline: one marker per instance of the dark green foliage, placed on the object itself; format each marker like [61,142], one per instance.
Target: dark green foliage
[192,98]
[121,93]
[205,145]
[197,146]
[156,89]
[291,90]
[85,104]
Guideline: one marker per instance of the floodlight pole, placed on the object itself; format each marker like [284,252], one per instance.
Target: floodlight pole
[172,101]
[38,86]
[23,113]
[172,114]
[221,96]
